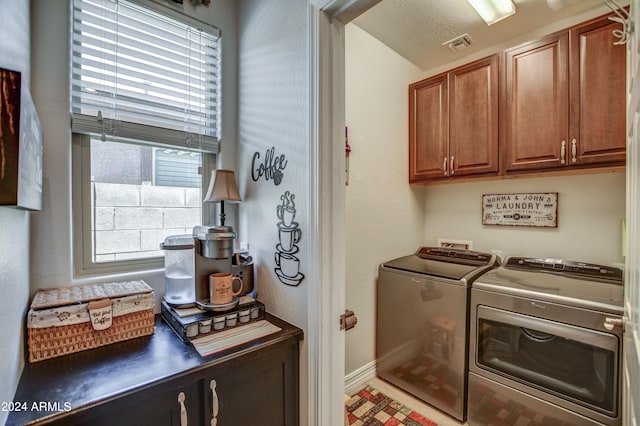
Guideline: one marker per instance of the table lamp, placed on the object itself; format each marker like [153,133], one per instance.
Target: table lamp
[222,187]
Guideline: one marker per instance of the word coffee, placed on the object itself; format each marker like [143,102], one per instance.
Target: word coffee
[270,168]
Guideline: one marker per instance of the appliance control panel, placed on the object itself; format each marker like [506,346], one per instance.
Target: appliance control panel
[566,267]
[455,255]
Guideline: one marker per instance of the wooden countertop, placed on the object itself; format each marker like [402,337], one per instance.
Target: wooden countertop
[85,379]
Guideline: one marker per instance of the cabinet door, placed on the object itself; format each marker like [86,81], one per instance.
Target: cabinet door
[473,118]
[537,104]
[428,129]
[176,407]
[598,94]
[161,405]
[263,391]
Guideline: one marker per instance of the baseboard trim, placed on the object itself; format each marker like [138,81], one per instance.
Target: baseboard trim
[356,379]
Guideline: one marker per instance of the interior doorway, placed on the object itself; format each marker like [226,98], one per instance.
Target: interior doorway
[330,51]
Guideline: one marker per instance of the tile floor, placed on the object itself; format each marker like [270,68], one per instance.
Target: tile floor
[411,402]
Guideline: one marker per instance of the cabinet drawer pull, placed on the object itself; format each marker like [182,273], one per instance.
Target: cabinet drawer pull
[444,166]
[183,410]
[451,165]
[563,150]
[574,151]
[214,412]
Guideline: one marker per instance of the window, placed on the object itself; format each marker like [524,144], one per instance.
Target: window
[175,167]
[144,107]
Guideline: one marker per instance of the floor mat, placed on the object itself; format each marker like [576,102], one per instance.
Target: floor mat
[370,407]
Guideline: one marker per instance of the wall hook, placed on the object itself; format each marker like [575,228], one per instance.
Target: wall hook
[347,150]
[622,17]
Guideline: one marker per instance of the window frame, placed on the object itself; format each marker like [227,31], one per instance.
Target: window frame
[82,215]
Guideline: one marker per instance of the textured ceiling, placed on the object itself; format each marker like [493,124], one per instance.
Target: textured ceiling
[417,29]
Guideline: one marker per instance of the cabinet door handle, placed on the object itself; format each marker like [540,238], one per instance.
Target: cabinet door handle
[574,151]
[183,410]
[563,150]
[451,165]
[214,412]
[444,166]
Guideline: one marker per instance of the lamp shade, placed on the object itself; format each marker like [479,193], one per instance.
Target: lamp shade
[222,187]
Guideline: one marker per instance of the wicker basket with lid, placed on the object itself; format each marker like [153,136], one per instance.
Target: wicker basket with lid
[67,320]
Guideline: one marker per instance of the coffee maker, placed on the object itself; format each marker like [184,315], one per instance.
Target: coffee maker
[213,252]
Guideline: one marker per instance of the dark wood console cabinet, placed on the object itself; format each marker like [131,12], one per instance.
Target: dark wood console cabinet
[160,380]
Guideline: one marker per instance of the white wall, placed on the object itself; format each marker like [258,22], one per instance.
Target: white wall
[14,224]
[273,112]
[51,251]
[384,214]
[590,210]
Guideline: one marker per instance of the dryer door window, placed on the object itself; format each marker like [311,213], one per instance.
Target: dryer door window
[574,363]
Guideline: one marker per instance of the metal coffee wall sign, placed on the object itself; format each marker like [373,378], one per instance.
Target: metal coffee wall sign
[529,209]
[271,167]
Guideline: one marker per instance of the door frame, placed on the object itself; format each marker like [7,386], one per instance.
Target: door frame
[631,340]
[326,292]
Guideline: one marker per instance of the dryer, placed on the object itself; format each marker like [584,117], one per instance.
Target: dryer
[546,344]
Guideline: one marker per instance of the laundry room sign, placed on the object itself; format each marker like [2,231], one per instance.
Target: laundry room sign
[521,209]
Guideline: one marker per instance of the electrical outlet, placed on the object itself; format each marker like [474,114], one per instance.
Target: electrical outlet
[497,253]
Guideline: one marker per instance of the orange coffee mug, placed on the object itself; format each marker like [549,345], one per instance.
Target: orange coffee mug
[221,288]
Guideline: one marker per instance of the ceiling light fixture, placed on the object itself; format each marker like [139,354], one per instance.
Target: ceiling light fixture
[493,11]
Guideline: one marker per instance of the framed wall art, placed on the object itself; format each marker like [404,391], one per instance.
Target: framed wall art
[20,145]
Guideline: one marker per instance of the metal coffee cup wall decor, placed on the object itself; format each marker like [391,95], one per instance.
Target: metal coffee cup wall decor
[521,209]
[287,264]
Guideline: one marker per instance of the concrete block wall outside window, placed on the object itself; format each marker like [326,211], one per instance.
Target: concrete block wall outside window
[130,221]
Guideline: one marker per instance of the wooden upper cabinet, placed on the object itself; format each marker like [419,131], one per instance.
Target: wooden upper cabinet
[428,128]
[453,122]
[565,100]
[473,118]
[561,101]
[536,104]
[598,94]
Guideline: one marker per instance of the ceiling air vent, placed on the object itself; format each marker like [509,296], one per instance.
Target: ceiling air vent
[459,43]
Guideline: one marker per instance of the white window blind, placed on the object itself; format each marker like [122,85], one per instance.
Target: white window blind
[140,75]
